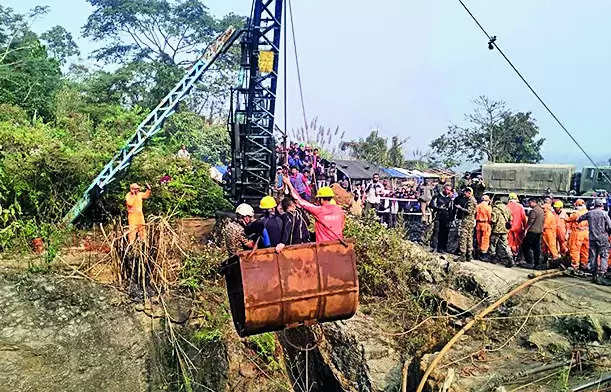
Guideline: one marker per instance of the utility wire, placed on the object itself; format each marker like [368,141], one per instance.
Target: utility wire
[284,133]
[305,121]
[492,41]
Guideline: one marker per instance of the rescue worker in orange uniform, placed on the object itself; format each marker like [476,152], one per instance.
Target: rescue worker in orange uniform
[518,224]
[579,241]
[550,247]
[135,215]
[483,229]
[561,217]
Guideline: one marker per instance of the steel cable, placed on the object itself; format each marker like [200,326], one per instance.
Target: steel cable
[492,41]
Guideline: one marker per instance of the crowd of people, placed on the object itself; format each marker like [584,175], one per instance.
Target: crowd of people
[541,235]
[468,222]
[286,223]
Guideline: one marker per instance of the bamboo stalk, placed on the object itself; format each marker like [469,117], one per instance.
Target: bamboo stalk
[479,317]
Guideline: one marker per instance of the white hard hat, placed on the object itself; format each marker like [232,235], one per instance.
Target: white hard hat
[245,210]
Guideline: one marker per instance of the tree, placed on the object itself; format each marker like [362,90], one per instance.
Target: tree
[60,44]
[174,32]
[374,149]
[395,152]
[29,75]
[160,38]
[494,134]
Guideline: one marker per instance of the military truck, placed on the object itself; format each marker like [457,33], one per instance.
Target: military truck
[592,179]
[528,179]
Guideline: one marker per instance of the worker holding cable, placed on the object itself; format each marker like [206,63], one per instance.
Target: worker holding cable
[330,218]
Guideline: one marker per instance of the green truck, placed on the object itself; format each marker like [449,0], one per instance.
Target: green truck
[538,179]
[593,179]
[528,179]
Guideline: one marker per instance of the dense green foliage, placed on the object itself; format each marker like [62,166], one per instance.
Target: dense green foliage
[58,130]
[493,133]
[375,149]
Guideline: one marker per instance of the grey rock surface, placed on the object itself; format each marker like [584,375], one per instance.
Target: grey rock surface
[60,334]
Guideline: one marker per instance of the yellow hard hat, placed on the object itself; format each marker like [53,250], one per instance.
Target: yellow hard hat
[558,204]
[267,202]
[580,202]
[325,191]
[513,196]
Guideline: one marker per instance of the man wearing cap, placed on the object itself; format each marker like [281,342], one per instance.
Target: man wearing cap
[233,233]
[483,216]
[599,225]
[272,222]
[518,224]
[579,238]
[329,217]
[135,214]
[561,217]
[501,223]
[467,225]
[531,246]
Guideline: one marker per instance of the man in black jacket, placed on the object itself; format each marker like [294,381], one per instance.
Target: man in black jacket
[442,205]
[295,225]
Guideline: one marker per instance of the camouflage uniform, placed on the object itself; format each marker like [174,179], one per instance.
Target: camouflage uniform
[499,245]
[453,235]
[232,237]
[467,227]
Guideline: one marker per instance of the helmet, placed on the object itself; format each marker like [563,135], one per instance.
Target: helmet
[513,196]
[485,198]
[558,204]
[580,202]
[267,202]
[325,191]
[245,210]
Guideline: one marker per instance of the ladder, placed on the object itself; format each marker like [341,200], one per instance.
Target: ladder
[153,123]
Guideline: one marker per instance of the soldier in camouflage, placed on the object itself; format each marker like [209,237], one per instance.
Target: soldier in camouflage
[501,223]
[232,234]
[467,225]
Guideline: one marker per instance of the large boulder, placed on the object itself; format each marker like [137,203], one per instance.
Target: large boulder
[350,355]
[67,335]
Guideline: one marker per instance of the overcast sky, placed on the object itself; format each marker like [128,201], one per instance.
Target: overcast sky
[412,67]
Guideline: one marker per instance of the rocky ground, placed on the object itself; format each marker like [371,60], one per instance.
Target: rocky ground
[60,331]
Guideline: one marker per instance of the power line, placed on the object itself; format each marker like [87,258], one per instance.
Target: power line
[492,44]
[305,121]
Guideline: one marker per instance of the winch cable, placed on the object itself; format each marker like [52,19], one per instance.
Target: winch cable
[492,41]
[305,119]
[285,130]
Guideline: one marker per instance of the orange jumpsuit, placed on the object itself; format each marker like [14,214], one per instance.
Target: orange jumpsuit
[579,240]
[483,217]
[135,215]
[549,233]
[518,226]
[561,232]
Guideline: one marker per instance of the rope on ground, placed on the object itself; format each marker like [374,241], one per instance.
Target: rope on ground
[479,317]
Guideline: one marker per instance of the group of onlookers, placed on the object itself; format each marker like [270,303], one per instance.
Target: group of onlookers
[540,236]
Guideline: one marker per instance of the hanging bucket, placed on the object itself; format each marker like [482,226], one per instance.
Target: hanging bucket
[302,285]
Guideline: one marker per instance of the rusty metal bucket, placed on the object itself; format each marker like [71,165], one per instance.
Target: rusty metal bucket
[302,285]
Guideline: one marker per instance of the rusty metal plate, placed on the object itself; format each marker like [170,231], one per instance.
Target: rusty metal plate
[303,284]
